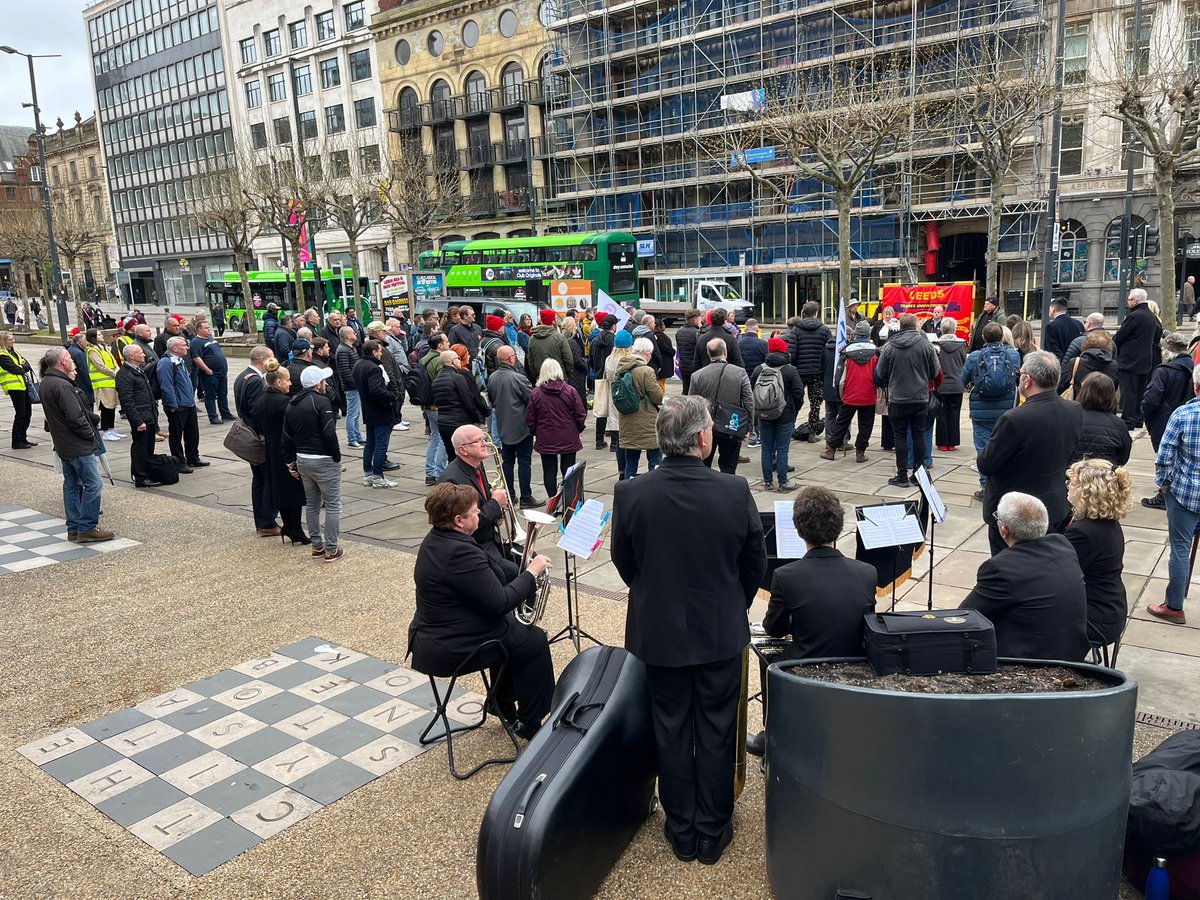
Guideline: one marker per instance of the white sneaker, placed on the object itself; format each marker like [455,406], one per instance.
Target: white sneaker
[400,426]
[382,483]
[974,467]
[368,481]
[112,435]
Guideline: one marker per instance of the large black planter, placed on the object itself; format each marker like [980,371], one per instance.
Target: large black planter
[947,796]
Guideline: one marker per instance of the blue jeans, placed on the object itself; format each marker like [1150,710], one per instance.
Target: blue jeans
[776,438]
[216,396]
[375,453]
[435,450]
[1181,525]
[81,493]
[982,433]
[354,433]
[928,448]
[633,457]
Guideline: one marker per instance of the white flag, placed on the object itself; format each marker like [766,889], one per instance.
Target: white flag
[841,342]
[606,304]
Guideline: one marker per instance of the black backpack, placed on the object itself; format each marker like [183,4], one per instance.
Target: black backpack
[419,385]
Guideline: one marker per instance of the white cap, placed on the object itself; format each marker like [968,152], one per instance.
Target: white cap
[314,375]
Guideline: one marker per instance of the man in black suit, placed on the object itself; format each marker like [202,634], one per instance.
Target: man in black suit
[470,450]
[1061,330]
[1031,446]
[140,408]
[688,623]
[988,315]
[246,391]
[1136,339]
[464,598]
[1033,591]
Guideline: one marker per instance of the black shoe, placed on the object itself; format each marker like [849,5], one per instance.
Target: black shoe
[685,851]
[185,469]
[531,503]
[709,850]
[1158,501]
[391,466]
[978,495]
[912,480]
[601,445]
[214,421]
[791,468]
[225,418]
[430,480]
[27,445]
[147,484]
[526,731]
[198,463]
[756,744]
[899,481]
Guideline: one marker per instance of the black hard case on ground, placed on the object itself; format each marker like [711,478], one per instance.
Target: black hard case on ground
[926,643]
[573,801]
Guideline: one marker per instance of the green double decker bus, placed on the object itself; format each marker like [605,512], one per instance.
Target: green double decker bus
[279,287]
[501,267]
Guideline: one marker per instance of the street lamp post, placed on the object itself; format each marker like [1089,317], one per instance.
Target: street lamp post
[56,287]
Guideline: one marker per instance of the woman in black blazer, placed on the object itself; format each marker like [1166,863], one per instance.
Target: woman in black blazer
[462,601]
[286,491]
[1100,495]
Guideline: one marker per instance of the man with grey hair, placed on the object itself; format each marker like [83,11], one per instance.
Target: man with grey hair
[1031,446]
[728,386]
[1136,339]
[1093,322]
[138,406]
[1033,590]
[688,624]
[344,359]
[179,403]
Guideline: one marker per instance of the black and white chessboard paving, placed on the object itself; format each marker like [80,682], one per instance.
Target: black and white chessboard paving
[30,539]
[207,771]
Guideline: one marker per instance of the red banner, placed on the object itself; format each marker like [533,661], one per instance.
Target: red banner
[956,299]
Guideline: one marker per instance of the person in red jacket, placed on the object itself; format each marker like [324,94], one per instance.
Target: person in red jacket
[855,380]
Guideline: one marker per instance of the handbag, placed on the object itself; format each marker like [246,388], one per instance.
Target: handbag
[1069,393]
[933,408]
[31,389]
[729,419]
[245,443]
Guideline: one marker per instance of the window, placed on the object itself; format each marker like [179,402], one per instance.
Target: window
[1137,47]
[1126,137]
[249,54]
[325,29]
[335,119]
[368,159]
[277,87]
[312,167]
[1192,35]
[74,171]
[403,52]
[364,112]
[253,94]
[271,44]
[298,34]
[54,175]
[548,13]
[470,33]
[283,130]
[1072,252]
[331,76]
[1112,247]
[508,23]
[92,166]
[1075,52]
[308,125]
[355,15]
[1070,157]
[435,43]
[97,208]
[360,65]
[258,135]
[339,163]
[302,80]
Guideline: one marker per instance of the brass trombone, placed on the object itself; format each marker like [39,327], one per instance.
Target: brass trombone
[529,613]
[514,535]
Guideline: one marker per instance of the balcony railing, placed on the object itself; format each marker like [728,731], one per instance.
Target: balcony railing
[514,201]
[509,151]
[445,161]
[437,111]
[476,157]
[481,206]
[469,106]
[406,119]
[508,96]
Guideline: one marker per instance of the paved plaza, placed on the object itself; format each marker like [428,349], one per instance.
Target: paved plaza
[192,594]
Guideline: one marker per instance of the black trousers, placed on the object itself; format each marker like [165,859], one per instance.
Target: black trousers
[552,464]
[447,434]
[183,434]
[260,501]
[22,413]
[887,437]
[866,424]
[1133,385]
[946,431]
[726,449]
[141,445]
[694,709]
[108,417]
[528,683]
[906,416]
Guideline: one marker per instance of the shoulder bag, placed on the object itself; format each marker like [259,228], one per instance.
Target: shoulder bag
[245,443]
[729,419]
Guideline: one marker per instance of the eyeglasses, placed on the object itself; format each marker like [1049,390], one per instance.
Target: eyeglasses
[481,440]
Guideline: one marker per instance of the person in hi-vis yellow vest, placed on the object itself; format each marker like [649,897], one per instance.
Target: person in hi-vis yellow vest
[14,370]
[103,365]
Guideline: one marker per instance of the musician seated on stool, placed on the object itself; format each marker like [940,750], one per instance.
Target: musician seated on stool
[470,450]
[465,599]
[821,598]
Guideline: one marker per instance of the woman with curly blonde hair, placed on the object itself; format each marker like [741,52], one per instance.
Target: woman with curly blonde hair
[1100,495]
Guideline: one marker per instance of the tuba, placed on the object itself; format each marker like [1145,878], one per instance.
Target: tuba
[512,535]
[529,613]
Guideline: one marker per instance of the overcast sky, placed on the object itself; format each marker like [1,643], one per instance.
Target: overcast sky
[64,85]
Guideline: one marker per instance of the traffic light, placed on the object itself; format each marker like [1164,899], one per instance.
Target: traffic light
[1151,241]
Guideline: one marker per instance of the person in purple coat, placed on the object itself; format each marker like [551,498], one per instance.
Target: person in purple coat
[555,417]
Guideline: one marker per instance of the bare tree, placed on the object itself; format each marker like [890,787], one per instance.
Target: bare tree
[23,235]
[1153,87]
[420,204]
[1006,91]
[224,205]
[78,234]
[282,198]
[831,123]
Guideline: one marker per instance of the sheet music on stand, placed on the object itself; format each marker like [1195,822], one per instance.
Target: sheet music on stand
[581,536]
[888,526]
[788,544]
[936,505]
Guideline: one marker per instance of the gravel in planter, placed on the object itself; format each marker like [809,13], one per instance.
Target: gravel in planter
[1008,679]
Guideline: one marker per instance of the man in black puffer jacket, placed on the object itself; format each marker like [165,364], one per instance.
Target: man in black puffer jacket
[457,398]
[810,339]
[685,343]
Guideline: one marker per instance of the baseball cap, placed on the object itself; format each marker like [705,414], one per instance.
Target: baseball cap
[274,306]
[314,375]
[73,332]
[300,346]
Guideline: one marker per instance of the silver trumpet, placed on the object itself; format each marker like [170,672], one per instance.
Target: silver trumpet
[530,612]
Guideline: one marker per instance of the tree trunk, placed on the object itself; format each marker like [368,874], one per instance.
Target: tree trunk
[48,309]
[1164,188]
[250,318]
[842,198]
[354,269]
[297,273]
[995,199]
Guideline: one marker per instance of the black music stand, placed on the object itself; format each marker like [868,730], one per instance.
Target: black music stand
[569,496]
[890,562]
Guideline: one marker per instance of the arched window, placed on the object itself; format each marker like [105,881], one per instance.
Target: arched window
[512,77]
[407,99]
[410,116]
[440,92]
[476,85]
[451,237]
[1072,252]
[1112,248]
